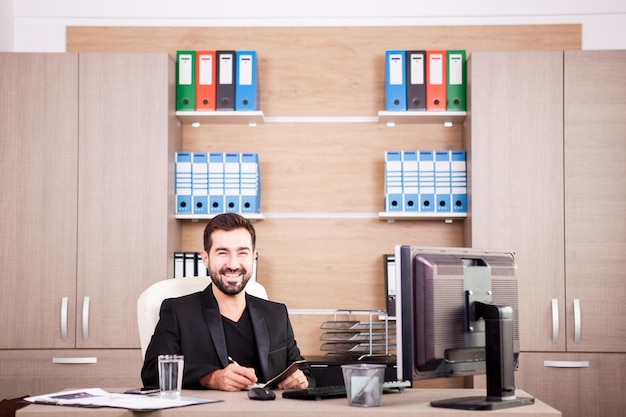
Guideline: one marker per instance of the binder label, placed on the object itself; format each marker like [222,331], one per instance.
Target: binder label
[436,71]
[226,69]
[245,70]
[417,69]
[206,70]
[456,69]
[395,69]
[185,70]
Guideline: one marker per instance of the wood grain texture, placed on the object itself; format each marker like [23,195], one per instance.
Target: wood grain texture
[324,263]
[126,230]
[32,372]
[38,166]
[323,71]
[595,197]
[515,167]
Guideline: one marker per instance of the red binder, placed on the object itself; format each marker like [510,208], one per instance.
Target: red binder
[436,80]
[205,76]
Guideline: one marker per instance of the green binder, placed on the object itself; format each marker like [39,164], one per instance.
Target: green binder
[456,90]
[186,80]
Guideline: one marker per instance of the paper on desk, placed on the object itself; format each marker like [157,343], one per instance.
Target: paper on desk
[96,397]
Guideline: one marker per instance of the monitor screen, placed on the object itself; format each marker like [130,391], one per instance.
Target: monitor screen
[456,313]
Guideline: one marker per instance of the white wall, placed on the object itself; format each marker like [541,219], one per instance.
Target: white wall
[6,25]
[39,25]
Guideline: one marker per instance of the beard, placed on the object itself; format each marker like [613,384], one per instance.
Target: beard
[227,284]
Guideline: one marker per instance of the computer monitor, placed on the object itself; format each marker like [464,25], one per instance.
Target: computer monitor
[456,313]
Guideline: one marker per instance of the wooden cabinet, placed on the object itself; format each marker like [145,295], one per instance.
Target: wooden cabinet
[514,143]
[128,134]
[545,152]
[596,390]
[87,164]
[38,166]
[33,372]
[595,200]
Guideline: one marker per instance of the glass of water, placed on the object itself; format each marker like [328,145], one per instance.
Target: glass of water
[171,374]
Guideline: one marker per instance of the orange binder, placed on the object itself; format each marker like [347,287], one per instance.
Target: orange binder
[205,85]
[436,80]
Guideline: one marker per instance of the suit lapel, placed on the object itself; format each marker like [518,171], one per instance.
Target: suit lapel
[261,334]
[214,320]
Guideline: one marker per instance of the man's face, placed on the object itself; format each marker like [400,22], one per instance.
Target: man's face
[230,260]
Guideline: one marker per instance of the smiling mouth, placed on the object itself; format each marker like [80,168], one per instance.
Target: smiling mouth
[232,277]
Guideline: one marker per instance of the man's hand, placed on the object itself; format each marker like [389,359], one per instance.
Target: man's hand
[232,378]
[297,380]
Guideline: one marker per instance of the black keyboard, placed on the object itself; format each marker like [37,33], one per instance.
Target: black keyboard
[337,391]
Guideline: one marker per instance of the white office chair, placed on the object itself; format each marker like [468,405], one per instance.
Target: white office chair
[149,302]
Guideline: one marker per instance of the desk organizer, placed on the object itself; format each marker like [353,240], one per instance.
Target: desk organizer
[359,334]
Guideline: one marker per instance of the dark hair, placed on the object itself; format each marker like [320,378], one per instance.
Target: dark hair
[227,222]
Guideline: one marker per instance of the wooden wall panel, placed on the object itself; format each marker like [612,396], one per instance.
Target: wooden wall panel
[323,71]
[326,171]
[320,167]
[332,263]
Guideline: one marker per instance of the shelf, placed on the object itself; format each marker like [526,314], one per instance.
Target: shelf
[197,217]
[402,215]
[389,216]
[252,118]
[248,117]
[447,118]
[322,119]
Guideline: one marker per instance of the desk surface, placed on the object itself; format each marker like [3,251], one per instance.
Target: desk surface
[410,403]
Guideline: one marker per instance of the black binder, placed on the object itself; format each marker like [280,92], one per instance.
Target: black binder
[225,77]
[389,266]
[416,80]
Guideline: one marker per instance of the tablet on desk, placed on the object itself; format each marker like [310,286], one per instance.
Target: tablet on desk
[273,382]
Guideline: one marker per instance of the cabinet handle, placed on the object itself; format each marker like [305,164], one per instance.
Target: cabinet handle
[566,364]
[85,318]
[64,318]
[555,321]
[577,324]
[75,360]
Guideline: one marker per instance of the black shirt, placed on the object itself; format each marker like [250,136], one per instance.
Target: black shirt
[241,343]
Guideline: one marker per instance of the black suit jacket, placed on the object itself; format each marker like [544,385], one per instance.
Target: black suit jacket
[191,325]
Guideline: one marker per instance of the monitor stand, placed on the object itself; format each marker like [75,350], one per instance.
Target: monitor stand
[500,360]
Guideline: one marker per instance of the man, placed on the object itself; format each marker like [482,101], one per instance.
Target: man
[230,339]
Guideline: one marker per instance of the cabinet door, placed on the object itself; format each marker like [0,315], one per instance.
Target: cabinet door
[38,166]
[33,372]
[126,228]
[595,199]
[595,390]
[514,139]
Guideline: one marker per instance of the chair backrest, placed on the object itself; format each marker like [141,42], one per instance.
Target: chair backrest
[149,302]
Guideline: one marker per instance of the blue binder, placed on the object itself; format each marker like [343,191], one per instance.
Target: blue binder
[458,181]
[410,188]
[250,184]
[442,181]
[183,183]
[426,166]
[216,183]
[246,81]
[393,181]
[231,182]
[395,80]
[200,182]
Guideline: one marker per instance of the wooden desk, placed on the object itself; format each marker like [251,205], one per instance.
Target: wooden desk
[410,403]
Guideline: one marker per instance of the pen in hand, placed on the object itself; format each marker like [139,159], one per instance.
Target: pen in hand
[234,362]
